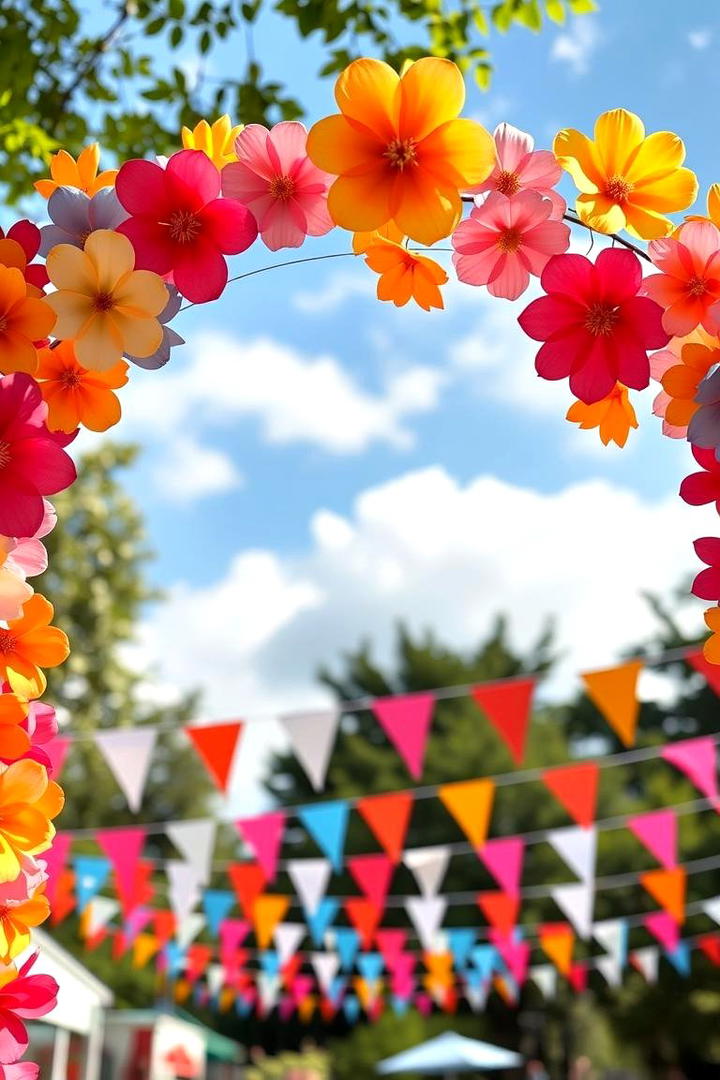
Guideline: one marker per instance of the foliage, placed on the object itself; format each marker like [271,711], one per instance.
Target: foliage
[311,1063]
[67,80]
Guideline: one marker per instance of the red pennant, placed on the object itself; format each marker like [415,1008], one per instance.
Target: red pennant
[388,816]
[578,978]
[710,672]
[248,880]
[123,847]
[165,924]
[215,745]
[507,706]
[64,896]
[143,889]
[575,787]
[710,945]
[197,959]
[500,909]
[292,968]
[372,874]
[365,917]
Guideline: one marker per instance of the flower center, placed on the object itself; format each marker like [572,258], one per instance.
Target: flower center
[697,286]
[282,188]
[7,642]
[3,324]
[104,301]
[601,318]
[618,189]
[508,183]
[4,454]
[70,379]
[184,226]
[509,240]
[401,152]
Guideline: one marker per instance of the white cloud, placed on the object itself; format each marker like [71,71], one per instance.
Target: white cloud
[189,471]
[575,47]
[336,291]
[701,38]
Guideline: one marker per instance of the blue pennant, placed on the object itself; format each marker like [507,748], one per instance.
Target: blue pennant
[461,941]
[270,962]
[322,918]
[91,873]
[370,965]
[217,906]
[327,824]
[399,1005]
[347,943]
[485,959]
[351,1008]
[680,958]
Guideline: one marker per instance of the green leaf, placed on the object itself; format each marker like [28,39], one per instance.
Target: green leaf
[530,15]
[481,21]
[176,36]
[582,7]
[502,16]
[483,75]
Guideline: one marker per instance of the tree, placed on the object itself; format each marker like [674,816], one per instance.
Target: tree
[66,80]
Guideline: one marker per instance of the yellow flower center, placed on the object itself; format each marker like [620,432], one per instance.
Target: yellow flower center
[282,188]
[104,301]
[508,183]
[601,318]
[184,226]
[401,152]
[509,240]
[4,454]
[618,189]
[696,286]
[7,642]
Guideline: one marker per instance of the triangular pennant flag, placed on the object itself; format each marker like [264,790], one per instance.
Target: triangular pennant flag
[578,978]
[712,908]
[248,880]
[195,840]
[264,835]
[123,848]
[507,706]
[310,879]
[391,941]
[371,966]
[232,934]
[708,670]
[372,874]
[128,753]
[312,735]
[327,824]
[610,970]
[189,928]
[484,958]
[557,941]
[697,758]
[325,965]
[576,903]
[268,911]
[144,948]
[516,956]
[500,909]
[57,751]
[406,721]
[365,917]
[504,859]
[664,928]
[470,803]
[647,961]
[351,1008]
[612,934]
[164,923]
[426,914]
[217,905]
[183,887]
[575,787]
[428,866]
[461,941]
[215,745]
[91,873]
[667,887]
[287,939]
[322,917]
[657,830]
[63,901]
[99,912]
[710,945]
[55,859]
[347,943]
[545,978]
[679,957]
[577,846]
[613,691]
[388,817]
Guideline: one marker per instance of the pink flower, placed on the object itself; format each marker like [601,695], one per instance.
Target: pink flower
[41,723]
[33,874]
[521,168]
[32,461]
[660,363]
[21,1070]
[689,285]
[22,997]
[275,178]
[178,226]
[20,559]
[506,240]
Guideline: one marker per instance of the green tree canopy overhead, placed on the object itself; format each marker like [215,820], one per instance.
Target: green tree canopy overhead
[117,75]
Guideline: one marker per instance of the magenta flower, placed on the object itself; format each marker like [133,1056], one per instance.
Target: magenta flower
[22,997]
[275,178]
[178,226]
[519,167]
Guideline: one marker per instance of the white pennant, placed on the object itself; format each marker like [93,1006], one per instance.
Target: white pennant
[647,960]
[545,978]
[215,976]
[183,887]
[326,966]
[428,866]
[578,847]
[287,938]
[610,933]
[609,968]
[312,736]
[711,908]
[576,901]
[189,928]
[426,913]
[128,753]
[195,840]
[477,997]
[310,879]
[268,989]
[100,911]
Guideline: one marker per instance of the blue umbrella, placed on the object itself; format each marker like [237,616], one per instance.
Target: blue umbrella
[448,1054]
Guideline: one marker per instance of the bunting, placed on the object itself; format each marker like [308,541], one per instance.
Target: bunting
[388,817]
[264,836]
[657,831]
[327,824]
[216,745]
[507,706]
[470,803]
[613,691]
[575,788]
[406,722]
[127,752]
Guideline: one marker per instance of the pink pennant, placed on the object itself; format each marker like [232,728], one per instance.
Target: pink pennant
[657,830]
[57,750]
[286,1008]
[55,859]
[664,928]
[372,874]
[123,848]
[406,722]
[391,942]
[516,955]
[697,759]
[301,986]
[578,978]
[264,834]
[423,1004]
[135,923]
[504,860]
[403,967]
[232,933]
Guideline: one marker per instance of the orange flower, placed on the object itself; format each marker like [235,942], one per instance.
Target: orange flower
[75,395]
[711,648]
[82,174]
[29,644]
[11,254]
[28,803]
[23,320]
[680,382]
[399,149]
[405,276]
[362,240]
[613,415]
[14,740]
[16,918]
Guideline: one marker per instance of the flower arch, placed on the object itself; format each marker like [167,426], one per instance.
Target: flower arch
[396,166]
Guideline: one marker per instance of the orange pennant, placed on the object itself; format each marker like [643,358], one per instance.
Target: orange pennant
[575,786]
[500,984]
[64,896]
[614,693]
[181,993]
[268,910]
[388,816]
[500,909]
[144,948]
[507,706]
[667,887]
[439,965]
[557,941]
[248,880]
[306,1008]
[215,745]
[470,803]
[365,917]
[226,999]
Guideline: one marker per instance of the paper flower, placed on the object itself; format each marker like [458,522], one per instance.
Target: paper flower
[22,997]
[14,738]
[104,305]
[18,247]
[82,174]
[399,149]
[614,416]
[627,180]
[170,337]
[519,167]
[595,327]
[711,648]
[680,378]
[217,141]
[28,803]
[505,240]
[17,917]
[278,182]
[706,585]
[361,241]
[704,426]
[27,554]
[702,487]
[405,276]
[689,284]
[20,1070]
[76,396]
[29,644]
[23,320]
[33,875]
[32,461]
[179,226]
[75,215]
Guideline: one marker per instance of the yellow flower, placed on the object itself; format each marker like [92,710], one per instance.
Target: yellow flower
[627,180]
[16,919]
[218,140]
[82,174]
[102,303]
[28,803]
